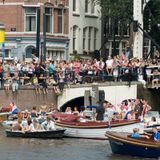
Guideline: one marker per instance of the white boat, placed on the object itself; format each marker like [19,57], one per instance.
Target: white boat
[97,130]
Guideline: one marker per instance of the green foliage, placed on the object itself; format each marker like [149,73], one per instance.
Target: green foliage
[120,10]
[152,19]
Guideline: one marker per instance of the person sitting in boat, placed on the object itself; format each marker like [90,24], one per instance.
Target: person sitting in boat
[137,135]
[68,110]
[82,115]
[49,124]
[76,112]
[16,125]
[156,134]
[109,112]
[124,108]
[27,128]
[35,126]
[130,115]
[43,109]
[25,114]
[34,113]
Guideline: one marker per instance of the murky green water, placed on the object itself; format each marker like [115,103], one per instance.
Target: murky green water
[63,149]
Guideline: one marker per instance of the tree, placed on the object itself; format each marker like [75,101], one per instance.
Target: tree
[117,11]
[152,21]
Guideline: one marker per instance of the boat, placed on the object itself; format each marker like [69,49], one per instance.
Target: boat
[7,123]
[95,129]
[122,143]
[58,133]
[4,116]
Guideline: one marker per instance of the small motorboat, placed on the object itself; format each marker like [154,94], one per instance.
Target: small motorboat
[95,129]
[58,133]
[122,143]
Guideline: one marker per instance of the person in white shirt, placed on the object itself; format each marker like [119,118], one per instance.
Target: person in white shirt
[49,124]
[109,65]
[35,59]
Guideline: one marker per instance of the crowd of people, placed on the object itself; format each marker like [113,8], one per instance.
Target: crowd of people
[56,74]
[128,109]
[34,120]
[46,117]
[104,111]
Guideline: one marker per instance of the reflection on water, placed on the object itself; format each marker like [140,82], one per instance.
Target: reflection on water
[63,149]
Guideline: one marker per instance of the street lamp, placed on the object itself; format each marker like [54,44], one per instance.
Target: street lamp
[44,34]
[42,55]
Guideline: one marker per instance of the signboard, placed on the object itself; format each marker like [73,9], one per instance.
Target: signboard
[2,36]
[13,29]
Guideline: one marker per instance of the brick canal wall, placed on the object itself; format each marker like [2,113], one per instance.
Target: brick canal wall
[26,98]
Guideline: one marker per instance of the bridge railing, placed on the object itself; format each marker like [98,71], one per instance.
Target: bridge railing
[147,75]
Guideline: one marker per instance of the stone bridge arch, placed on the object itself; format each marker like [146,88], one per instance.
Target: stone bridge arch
[114,93]
[76,102]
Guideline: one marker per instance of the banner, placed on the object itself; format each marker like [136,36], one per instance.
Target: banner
[2,36]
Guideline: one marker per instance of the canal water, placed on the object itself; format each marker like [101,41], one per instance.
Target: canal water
[61,149]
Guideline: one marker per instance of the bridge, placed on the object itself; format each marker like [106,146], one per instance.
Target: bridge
[114,93]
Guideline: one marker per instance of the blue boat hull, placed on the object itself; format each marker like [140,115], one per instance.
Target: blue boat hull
[133,150]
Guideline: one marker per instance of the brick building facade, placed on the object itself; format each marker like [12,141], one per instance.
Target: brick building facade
[20,20]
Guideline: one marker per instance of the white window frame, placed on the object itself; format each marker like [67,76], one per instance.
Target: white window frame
[52,19]
[25,19]
[62,22]
[87,6]
[95,38]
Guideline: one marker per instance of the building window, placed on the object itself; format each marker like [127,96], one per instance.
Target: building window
[92,7]
[84,38]
[60,20]
[7,55]
[30,19]
[123,46]
[95,39]
[89,38]
[74,37]
[146,48]
[48,13]
[126,30]
[86,6]
[29,51]
[116,47]
[74,5]
[117,28]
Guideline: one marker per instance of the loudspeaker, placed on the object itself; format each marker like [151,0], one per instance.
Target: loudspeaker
[135,26]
